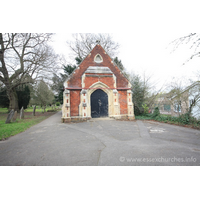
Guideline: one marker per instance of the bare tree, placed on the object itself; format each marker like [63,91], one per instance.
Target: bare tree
[178,97]
[192,40]
[24,58]
[143,91]
[42,95]
[193,91]
[83,43]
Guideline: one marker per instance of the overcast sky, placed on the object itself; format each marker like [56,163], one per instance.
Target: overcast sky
[151,53]
[143,29]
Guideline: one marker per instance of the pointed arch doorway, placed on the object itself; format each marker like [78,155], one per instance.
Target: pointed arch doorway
[99,104]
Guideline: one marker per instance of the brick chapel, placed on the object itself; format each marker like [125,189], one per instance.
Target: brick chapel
[97,88]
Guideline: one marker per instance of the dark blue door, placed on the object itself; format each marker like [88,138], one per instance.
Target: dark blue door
[99,104]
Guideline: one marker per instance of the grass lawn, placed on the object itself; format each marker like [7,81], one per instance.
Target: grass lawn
[38,109]
[3,110]
[140,117]
[13,128]
[30,109]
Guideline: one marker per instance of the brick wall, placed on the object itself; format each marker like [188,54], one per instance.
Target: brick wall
[123,102]
[109,81]
[75,80]
[74,102]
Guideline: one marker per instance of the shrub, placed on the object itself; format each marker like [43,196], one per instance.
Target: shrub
[156,112]
[161,118]
[184,118]
[57,103]
[137,110]
[188,119]
[146,109]
[143,117]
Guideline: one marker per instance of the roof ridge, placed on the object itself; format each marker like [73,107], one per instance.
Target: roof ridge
[79,64]
[114,63]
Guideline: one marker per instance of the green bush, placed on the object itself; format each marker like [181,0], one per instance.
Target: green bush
[57,103]
[143,117]
[137,111]
[184,119]
[146,109]
[156,112]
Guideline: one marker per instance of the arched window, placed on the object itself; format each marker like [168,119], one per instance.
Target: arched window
[98,58]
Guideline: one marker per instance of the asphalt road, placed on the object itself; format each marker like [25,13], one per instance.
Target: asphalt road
[103,142]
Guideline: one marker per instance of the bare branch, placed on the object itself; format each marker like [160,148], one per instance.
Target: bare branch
[193,40]
[24,57]
[83,43]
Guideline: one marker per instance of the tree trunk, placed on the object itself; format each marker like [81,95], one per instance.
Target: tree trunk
[12,95]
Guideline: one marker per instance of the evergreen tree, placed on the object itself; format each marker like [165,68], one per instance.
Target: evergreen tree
[69,69]
[4,101]
[138,94]
[58,81]
[119,63]
[78,60]
[23,95]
